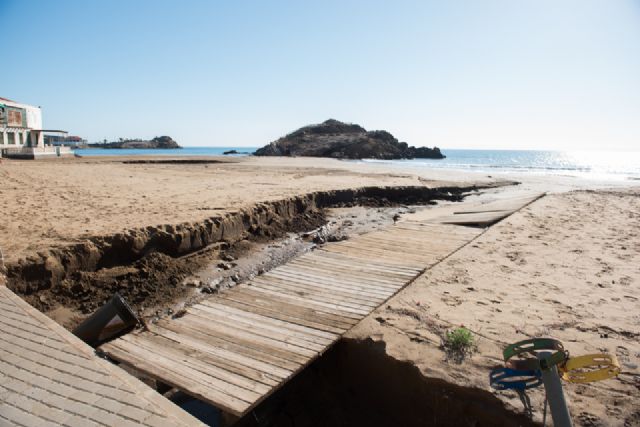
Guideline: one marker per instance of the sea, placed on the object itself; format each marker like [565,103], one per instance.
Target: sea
[598,165]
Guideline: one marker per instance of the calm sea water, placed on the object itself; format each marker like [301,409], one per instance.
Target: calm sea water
[606,165]
[613,165]
[187,151]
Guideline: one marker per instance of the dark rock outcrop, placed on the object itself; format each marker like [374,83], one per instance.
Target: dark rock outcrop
[157,142]
[345,141]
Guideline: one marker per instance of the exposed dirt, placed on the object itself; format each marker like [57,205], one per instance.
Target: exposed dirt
[357,384]
[156,284]
[160,269]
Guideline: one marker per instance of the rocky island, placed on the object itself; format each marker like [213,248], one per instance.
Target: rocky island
[157,142]
[339,140]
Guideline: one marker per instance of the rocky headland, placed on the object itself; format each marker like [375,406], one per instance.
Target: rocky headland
[339,140]
[157,142]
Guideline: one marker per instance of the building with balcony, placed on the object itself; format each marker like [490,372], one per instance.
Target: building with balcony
[22,135]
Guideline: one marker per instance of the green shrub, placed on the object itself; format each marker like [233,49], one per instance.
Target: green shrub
[459,343]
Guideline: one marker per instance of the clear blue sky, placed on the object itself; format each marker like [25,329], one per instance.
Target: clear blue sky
[457,74]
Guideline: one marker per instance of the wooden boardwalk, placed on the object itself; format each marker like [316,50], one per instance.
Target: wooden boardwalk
[48,377]
[235,348]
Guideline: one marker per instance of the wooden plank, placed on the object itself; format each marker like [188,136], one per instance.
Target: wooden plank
[483,218]
[128,355]
[245,294]
[332,259]
[421,227]
[399,245]
[396,253]
[352,313]
[233,383]
[323,310]
[360,293]
[335,277]
[350,273]
[230,344]
[325,336]
[367,256]
[386,256]
[430,227]
[27,330]
[434,241]
[284,350]
[353,272]
[321,257]
[70,368]
[233,355]
[12,336]
[13,312]
[315,294]
[425,234]
[510,204]
[346,259]
[366,287]
[301,286]
[378,249]
[265,330]
[275,314]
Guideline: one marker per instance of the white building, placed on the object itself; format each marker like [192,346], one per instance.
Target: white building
[21,133]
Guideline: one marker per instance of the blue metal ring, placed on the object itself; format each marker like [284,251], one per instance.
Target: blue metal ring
[513,379]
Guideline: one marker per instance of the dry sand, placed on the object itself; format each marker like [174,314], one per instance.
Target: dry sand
[567,266]
[46,203]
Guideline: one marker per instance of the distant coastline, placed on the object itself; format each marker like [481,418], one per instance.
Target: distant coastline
[157,143]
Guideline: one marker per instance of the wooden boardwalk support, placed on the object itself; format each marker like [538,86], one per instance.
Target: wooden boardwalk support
[235,348]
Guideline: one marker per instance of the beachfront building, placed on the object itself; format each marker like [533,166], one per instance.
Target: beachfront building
[60,139]
[21,132]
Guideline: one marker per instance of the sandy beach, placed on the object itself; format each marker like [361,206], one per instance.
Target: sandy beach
[565,266]
[53,203]
[295,214]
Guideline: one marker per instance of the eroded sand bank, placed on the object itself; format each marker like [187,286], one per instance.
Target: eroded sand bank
[567,266]
[51,203]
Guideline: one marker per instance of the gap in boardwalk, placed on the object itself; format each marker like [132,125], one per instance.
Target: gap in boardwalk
[356,383]
[275,320]
[158,285]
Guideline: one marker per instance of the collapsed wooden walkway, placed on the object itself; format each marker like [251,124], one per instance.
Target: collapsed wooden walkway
[235,348]
[48,377]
